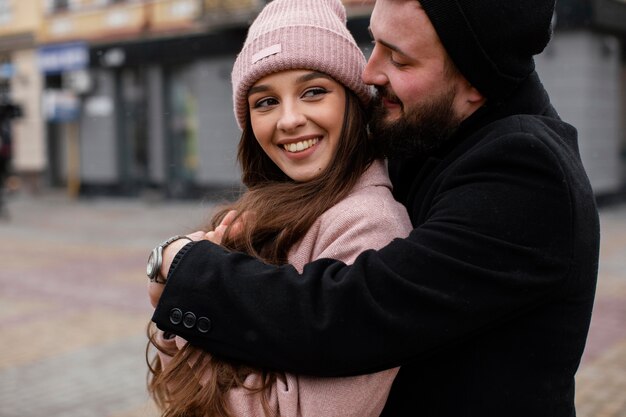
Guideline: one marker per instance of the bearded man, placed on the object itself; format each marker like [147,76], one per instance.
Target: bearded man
[487,303]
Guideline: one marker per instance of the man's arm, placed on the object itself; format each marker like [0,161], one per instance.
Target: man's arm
[496,242]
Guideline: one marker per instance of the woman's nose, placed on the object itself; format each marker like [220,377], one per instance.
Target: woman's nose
[291,118]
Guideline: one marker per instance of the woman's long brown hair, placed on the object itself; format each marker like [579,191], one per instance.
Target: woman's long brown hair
[278,212]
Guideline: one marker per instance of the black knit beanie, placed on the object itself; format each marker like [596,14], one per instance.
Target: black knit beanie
[492,42]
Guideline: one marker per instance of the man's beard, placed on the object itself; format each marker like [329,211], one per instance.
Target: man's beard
[419,131]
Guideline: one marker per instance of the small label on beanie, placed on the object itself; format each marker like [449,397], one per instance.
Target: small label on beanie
[264,53]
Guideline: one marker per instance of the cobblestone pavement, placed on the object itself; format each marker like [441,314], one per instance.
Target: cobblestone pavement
[73,307]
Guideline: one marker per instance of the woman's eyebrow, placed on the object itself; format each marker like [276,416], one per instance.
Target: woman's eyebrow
[301,79]
[258,89]
[311,76]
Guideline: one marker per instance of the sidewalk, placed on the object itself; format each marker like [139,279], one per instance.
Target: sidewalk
[73,307]
[601,380]
[73,304]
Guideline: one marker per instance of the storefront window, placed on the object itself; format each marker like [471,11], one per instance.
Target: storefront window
[183,129]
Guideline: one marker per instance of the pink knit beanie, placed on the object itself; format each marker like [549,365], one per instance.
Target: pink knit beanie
[298,34]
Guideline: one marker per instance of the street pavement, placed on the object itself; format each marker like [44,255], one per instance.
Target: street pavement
[74,310]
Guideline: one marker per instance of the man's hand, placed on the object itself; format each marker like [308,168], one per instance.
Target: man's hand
[156,289]
[217,235]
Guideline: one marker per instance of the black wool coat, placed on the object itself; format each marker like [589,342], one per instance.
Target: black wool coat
[485,305]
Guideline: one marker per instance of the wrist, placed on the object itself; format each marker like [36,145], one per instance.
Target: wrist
[177,258]
[160,257]
[169,253]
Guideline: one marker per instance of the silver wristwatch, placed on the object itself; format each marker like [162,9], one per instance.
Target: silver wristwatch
[155,260]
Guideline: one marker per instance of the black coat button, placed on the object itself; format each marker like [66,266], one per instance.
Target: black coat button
[189,320]
[176,316]
[204,325]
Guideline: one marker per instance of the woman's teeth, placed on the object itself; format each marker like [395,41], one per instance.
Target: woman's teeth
[300,146]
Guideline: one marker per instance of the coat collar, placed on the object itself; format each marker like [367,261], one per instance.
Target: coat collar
[529,98]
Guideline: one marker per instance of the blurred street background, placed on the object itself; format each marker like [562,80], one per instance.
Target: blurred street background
[133,97]
[73,307]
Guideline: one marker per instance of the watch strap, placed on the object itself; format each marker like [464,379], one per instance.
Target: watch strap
[173,239]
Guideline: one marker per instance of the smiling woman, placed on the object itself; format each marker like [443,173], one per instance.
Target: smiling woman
[297,117]
[316,189]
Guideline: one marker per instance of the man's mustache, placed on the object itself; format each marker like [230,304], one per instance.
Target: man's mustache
[384,93]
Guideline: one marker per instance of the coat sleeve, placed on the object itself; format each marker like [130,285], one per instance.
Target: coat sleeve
[494,242]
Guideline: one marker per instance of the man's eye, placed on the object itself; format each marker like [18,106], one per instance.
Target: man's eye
[396,63]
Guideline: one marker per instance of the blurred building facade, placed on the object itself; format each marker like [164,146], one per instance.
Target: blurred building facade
[584,70]
[21,83]
[149,106]
[125,97]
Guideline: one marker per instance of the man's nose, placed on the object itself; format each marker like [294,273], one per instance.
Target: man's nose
[373,73]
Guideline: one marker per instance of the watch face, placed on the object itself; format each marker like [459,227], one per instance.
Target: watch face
[152,267]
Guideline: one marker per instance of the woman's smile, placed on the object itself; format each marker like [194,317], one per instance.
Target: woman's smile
[297,147]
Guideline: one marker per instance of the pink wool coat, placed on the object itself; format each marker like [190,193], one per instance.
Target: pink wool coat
[368,218]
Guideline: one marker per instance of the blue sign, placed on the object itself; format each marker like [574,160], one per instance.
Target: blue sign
[61,106]
[6,70]
[55,59]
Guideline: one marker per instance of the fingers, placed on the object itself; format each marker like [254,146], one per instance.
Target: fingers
[237,227]
[228,219]
[216,235]
[199,235]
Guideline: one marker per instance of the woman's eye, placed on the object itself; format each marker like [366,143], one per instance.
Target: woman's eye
[313,92]
[265,102]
